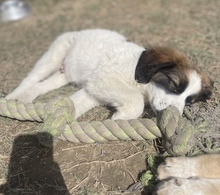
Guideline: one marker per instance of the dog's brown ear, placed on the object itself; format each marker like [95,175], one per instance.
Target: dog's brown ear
[149,64]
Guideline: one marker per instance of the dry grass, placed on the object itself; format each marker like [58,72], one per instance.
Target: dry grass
[191,26]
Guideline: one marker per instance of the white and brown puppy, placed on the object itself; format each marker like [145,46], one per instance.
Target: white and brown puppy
[114,71]
[190,176]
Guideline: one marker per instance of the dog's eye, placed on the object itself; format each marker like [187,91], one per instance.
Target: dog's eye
[173,86]
[176,87]
[170,82]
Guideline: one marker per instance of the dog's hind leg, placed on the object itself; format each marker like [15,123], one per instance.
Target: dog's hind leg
[55,81]
[48,64]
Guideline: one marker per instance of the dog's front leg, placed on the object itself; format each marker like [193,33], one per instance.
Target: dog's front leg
[83,102]
[131,106]
[114,91]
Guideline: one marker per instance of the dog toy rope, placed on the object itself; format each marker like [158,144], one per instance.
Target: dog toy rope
[58,120]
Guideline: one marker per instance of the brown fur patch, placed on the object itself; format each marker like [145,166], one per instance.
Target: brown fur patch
[166,67]
[179,72]
[208,166]
[159,55]
[169,68]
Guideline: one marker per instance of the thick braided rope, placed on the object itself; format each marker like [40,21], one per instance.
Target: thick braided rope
[58,118]
[177,132]
[59,122]
[20,111]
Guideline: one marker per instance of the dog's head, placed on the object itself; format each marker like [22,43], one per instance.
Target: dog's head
[170,79]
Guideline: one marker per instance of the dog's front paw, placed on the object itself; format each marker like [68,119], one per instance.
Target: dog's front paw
[176,167]
[180,186]
[174,186]
[192,186]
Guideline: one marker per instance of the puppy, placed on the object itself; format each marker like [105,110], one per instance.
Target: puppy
[116,72]
[195,175]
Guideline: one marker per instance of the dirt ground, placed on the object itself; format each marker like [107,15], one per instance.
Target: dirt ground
[102,168]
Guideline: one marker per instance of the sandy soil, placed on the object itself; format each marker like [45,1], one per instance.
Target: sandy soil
[108,168]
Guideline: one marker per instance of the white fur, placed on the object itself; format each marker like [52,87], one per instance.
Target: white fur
[193,175]
[160,99]
[103,63]
[178,167]
[190,186]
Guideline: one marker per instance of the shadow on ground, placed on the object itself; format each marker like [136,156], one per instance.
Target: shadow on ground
[32,169]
